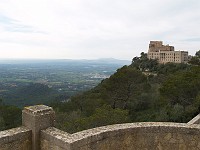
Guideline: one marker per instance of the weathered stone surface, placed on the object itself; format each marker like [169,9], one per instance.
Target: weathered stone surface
[53,138]
[38,109]
[131,136]
[37,118]
[39,134]
[195,120]
[15,139]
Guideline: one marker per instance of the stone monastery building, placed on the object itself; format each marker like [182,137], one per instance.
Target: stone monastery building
[166,53]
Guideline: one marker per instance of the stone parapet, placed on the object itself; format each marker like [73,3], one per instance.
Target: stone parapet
[59,139]
[141,136]
[15,139]
[38,133]
[195,120]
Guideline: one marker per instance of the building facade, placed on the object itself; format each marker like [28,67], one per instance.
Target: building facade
[166,53]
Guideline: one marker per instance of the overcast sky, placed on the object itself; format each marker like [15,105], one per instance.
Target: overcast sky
[90,29]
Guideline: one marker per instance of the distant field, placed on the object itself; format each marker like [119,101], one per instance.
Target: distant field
[62,77]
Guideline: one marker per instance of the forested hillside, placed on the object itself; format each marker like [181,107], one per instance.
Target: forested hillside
[31,82]
[142,91]
[10,116]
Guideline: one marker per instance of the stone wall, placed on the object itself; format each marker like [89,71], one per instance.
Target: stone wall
[15,139]
[132,136]
[195,120]
[38,133]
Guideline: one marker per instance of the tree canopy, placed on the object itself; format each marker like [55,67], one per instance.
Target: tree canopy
[195,60]
[10,116]
[143,91]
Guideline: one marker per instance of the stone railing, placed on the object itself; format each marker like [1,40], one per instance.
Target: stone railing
[15,139]
[38,133]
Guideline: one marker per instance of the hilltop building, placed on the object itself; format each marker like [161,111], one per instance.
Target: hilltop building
[166,53]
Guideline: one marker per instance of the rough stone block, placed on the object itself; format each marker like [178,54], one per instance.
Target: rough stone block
[37,118]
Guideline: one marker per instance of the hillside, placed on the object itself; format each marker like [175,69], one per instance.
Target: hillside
[30,82]
[143,91]
[10,116]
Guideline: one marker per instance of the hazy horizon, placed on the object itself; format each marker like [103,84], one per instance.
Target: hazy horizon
[42,29]
[106,61]
[2,59]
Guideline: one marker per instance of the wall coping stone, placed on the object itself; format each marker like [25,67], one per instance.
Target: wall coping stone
[99,133]
[38,122]
[14,134]
[128,126]
[38,109]
[195,120]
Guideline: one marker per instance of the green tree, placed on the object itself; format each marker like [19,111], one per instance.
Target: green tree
[2,123]
[143,63]
[195,60]
[1,102]
[177,113]
[121,87]
[197,54]
[104,115]
[182,87]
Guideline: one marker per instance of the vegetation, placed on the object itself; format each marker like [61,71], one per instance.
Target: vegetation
[31,82]
[195,60]
[10,116]
[143,91]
